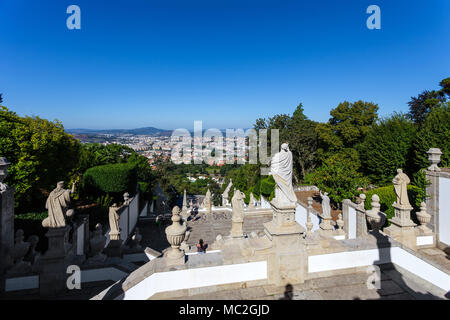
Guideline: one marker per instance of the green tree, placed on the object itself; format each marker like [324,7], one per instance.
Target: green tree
[338,176]
[387,147]
[421,105]
[347,127]
[41,153]
[433,133]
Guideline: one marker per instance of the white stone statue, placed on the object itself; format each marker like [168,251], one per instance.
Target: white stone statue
[58,206]
[208,201]
[326,208]
[237,203]
[225,194]
[251,203]
[401,182]
[281,171]
[114,233]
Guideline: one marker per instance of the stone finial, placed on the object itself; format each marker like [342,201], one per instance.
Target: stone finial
[424,218]
[4,165]
[340,224]
[175,234]
[361,201]
[374,216]
[126,198]
[434,156]
[310,201]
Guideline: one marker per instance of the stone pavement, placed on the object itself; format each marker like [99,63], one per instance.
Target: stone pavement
[394,286]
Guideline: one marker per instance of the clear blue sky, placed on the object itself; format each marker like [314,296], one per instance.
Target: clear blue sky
[166,63]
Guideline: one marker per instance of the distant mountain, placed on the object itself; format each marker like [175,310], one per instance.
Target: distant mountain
[150,131]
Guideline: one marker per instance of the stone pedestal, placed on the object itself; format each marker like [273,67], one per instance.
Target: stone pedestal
[402,227]
[288,260]
[326,229]
[53,267]
[114,248]
[237,228]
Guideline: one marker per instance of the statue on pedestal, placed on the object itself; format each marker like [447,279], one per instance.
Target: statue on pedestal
[58,206]
[401,182]
[281,171]
[114,233]
[326,207]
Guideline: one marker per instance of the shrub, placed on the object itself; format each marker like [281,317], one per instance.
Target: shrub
[110,179]
[386,148]
[388,197]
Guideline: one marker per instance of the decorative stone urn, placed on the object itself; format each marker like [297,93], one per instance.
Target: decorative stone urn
[434,156]
[4,164]
[97,244]
[18,253]
[175,235]
[424,218]
[375,218]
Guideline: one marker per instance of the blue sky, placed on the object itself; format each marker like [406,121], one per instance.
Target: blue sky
[166,63]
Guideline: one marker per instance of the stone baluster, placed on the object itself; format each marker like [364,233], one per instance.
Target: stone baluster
[374,216]
[175,235]
[309,224]
[340,225]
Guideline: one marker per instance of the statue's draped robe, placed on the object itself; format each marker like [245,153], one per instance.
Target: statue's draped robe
[400,182]
[114,223]
[57,203]
[326,209]
[281,169]
[237,205]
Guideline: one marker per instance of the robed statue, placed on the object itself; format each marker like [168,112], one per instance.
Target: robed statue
[326,208]
[401,182]
[57,204]
[114,233]
[281,171]
[237,204]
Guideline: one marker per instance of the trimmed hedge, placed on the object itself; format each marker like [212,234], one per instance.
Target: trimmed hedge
[110,178]
[388,197]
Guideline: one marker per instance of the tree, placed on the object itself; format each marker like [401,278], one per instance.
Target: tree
[302,139]
[338,176]
[348,125]
[433,133]
[41,153]
[421,105]
[387,147]
[1,97]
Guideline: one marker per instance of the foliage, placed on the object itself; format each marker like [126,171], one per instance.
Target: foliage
[40,152]
[387,198]
[338,176]
[421,106]
[433,133]
[387,147]
[110,179]
[348,125]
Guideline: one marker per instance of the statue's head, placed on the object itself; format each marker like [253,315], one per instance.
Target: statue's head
[399,171]
[60,185]
[285,146]
[325,193]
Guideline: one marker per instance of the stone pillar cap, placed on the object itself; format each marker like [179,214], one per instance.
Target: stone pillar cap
[434,151]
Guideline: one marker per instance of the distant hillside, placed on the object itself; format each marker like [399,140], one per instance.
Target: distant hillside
[150,131]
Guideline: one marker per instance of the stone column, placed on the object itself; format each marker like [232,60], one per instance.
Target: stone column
[432,175]
[53,266]
[287,263]
[6,219]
